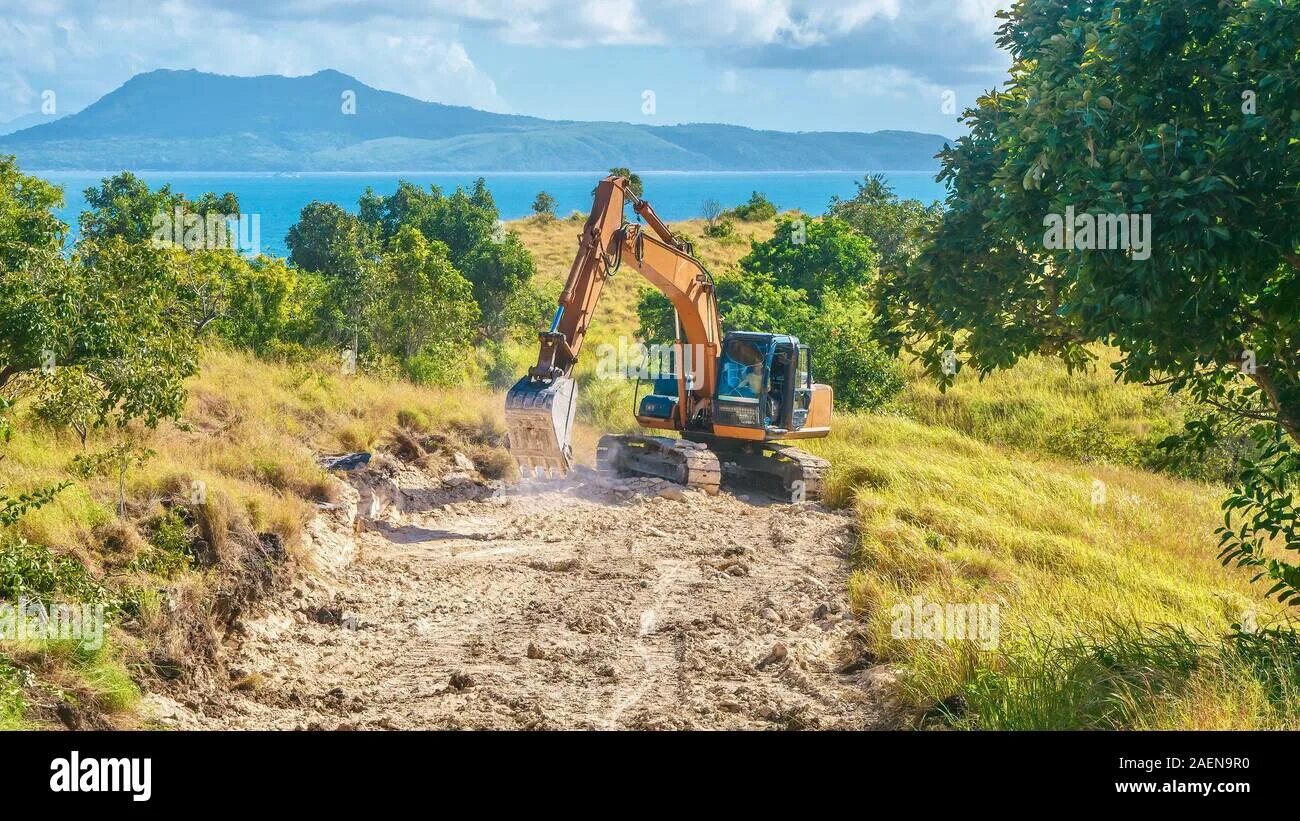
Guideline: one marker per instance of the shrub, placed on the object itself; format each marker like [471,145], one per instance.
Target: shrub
[758,209]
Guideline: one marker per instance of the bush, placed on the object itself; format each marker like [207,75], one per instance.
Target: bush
[721,228]
[32,571]
[758,209]
[170,540]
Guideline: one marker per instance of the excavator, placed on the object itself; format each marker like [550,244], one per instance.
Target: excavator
[730,399]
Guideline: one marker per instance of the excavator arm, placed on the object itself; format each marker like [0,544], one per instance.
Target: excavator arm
[540,407]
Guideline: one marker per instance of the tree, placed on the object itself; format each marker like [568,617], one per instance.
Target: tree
[423,310]
[711,210]
[1177,121]
[897,228]
[270,304]
[322,237]
[92,336]
[633,180]
[757,209]
[468,224]
[342,250]
[814,255]
[125,206]
[544,206]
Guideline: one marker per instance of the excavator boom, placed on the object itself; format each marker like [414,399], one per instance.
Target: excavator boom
[540,407]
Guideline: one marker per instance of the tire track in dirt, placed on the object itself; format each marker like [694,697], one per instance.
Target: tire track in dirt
[569,604]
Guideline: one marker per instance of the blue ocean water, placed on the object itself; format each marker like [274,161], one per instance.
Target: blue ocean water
[277,199]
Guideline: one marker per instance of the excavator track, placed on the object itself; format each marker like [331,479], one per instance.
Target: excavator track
[802,466]
[786,472]
[678,460]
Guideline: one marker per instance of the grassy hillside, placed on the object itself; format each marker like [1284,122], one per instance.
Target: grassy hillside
[250,434]
[1111,610]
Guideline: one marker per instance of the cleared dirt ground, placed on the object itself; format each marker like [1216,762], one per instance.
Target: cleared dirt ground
[562,604]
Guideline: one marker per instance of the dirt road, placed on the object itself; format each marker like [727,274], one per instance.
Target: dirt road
[567,604]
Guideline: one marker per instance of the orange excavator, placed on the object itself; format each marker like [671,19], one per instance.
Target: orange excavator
[731,399]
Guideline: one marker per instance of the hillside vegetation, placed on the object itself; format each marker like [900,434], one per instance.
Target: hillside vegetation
[251,433]
[167,467]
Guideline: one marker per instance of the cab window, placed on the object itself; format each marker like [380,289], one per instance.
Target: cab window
[741,373]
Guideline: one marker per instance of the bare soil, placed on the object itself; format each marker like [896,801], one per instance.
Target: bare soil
[567,604]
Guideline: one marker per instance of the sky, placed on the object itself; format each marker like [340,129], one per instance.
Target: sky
[792,65]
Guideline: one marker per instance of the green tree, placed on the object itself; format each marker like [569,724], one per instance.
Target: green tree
[271,304]
[897,228]
[757,209]
[814,255]
[343,251]
[544,205]
[1182,112]
[94,335]
[423,311]
[125,206]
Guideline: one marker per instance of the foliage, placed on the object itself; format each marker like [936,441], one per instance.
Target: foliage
[1266,512]
[32,571]
[421,306]
[468,223]
[124,206]
[270,305]
[544,205]
[758,208]
[814,256]
[170,540]
[897,228]
[108,313]
[1180,112]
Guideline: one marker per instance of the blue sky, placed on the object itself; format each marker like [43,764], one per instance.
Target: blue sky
[797,65]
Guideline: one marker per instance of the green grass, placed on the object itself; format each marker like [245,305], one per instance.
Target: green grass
[957,521]
[1039,407]
[250,433]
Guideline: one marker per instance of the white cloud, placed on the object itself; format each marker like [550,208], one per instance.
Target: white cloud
[419,47]
[84,54]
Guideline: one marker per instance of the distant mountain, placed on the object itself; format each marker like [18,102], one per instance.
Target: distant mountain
[191,121]
[26,121]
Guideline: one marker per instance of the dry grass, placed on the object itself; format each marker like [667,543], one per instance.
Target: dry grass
[553,244]
[955,521]
[250,435]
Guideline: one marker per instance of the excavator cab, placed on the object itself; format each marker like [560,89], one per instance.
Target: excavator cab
[764,383]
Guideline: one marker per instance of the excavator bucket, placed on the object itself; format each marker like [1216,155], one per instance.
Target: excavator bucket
[539,417]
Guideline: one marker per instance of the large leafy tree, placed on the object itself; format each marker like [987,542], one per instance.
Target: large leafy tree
[422,303]
[467,224]
[93,337]
[1186,111]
